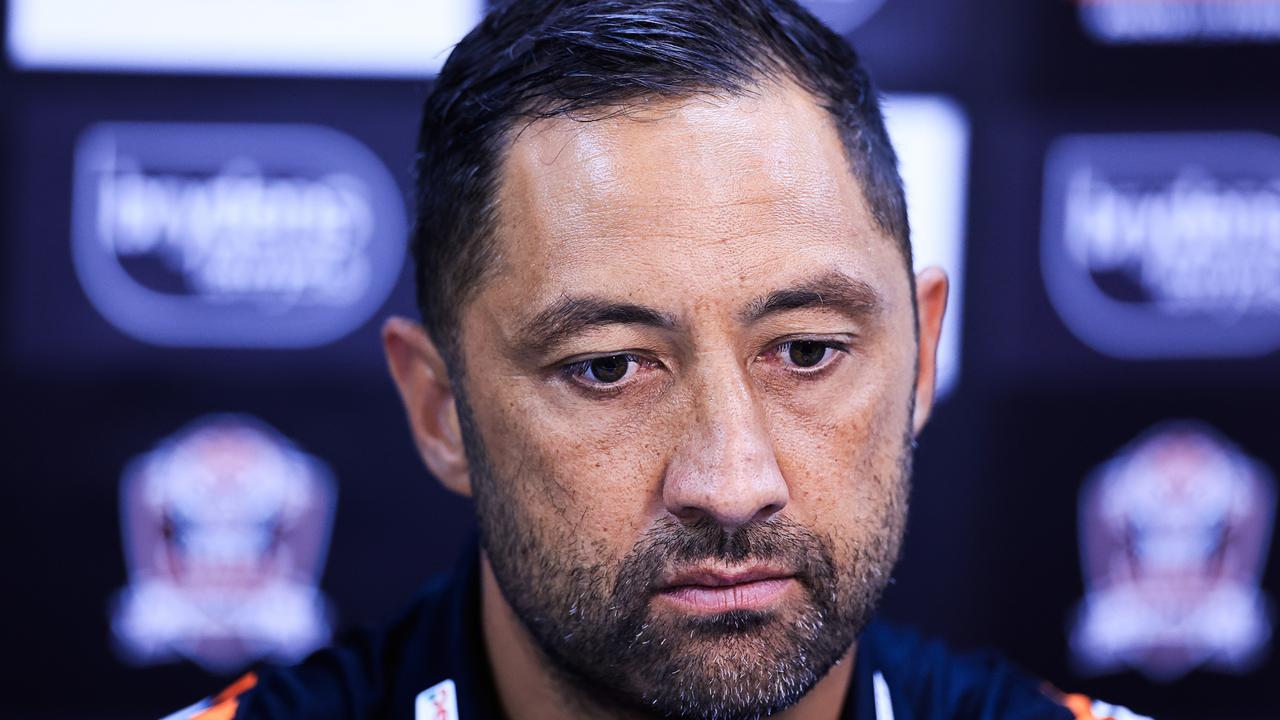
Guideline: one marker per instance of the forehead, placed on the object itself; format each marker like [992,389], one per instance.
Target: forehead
[708,191]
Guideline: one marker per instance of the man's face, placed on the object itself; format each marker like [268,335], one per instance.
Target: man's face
[688,388]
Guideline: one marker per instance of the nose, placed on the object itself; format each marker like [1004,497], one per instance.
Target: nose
[725,468]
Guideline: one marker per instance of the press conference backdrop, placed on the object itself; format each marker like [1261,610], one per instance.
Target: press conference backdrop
[204,207]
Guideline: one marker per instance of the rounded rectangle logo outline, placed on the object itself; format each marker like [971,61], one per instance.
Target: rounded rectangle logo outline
[1137,331]
[184,321]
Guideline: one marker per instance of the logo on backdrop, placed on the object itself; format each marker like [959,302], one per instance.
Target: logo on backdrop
[1174,534]
[843,15]
[1181,21]
[234,235]
[1158,246]
[226,525]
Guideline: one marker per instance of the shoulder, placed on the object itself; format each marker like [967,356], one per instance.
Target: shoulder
[360,676]
[926,679]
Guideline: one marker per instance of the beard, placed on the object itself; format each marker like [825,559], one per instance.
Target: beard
[594,622]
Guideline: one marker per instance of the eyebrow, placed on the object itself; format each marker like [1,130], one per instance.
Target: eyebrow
[570,316]
[832,290]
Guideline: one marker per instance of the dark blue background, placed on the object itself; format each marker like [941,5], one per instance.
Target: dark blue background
[991,557]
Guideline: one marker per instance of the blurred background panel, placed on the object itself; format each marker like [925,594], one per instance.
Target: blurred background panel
[203,210]
[330,37]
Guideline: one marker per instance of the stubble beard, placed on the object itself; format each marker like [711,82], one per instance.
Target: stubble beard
[609,649]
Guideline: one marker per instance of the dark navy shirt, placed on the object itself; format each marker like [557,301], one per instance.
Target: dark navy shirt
[897,674]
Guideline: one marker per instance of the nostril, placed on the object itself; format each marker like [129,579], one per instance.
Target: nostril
[725,513]
[688,514]
[768,511]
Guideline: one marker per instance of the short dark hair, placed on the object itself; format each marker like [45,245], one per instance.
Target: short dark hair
[535,59]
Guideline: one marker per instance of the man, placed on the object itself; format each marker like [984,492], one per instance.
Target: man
[674,349]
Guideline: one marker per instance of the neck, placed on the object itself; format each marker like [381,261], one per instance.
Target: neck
[530,688]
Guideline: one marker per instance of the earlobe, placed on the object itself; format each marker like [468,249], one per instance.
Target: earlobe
[931,307]
[421,375]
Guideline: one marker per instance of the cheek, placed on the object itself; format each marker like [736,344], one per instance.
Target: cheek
[586,476]
[841,457]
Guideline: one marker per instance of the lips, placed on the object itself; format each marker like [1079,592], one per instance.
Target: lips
[705,590]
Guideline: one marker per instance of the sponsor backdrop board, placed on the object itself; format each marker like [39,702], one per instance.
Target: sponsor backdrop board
[208,467]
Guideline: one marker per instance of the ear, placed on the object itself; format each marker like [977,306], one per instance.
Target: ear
[931,306]
[422,377]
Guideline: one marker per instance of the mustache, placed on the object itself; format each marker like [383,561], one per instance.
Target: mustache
[671,544]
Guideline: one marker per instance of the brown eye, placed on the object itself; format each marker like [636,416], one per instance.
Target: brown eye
[807,353]
[608,370]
